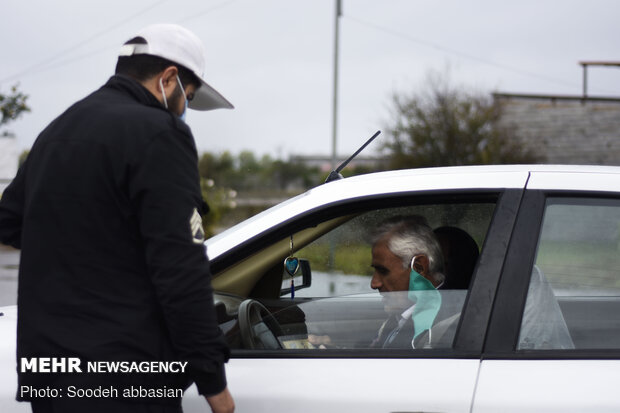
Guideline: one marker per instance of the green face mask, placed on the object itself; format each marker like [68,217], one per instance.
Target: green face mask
[427,301]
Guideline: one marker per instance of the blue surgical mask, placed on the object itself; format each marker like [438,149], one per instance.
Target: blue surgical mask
[427,301]
[182,117]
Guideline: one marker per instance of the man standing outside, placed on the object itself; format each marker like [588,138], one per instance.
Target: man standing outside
[106,212]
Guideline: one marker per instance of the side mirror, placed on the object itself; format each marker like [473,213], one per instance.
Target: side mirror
[300,281]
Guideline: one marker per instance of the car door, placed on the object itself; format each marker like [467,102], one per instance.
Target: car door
[336,379]
[554,337]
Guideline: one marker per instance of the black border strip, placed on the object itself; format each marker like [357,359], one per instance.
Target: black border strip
[470,334]
[594,354]
[355,354]
[511,294]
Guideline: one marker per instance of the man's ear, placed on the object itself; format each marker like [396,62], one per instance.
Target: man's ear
[168,82]
[421,265]
[168,78]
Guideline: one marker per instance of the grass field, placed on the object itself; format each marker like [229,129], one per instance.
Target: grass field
[348,259]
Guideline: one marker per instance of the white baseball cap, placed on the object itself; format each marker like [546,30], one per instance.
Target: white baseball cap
[181,46]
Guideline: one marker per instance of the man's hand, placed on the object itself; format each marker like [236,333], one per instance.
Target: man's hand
[321,342]
[222,402]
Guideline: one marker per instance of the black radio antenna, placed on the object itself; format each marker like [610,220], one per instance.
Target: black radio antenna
[335,174]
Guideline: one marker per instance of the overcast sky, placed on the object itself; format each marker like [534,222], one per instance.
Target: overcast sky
[273,59]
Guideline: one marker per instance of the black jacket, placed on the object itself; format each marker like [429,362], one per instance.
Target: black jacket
[110,268]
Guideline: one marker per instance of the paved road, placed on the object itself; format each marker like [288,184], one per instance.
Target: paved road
[9,261]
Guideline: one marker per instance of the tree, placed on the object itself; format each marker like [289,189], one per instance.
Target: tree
[12,106]
[220,201]
[444,126]
[229,181]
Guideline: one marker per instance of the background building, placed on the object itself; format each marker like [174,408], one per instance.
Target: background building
[565,129]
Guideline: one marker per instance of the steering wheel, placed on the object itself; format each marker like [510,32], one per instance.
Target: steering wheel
[257,327]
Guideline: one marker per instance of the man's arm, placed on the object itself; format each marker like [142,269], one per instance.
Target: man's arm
[221,402]
[165,191]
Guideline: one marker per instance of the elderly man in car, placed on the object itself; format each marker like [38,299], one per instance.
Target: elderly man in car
[408,269]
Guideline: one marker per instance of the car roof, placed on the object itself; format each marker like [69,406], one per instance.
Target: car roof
[470,178]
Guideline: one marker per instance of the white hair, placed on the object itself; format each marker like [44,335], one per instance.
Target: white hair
[408,236]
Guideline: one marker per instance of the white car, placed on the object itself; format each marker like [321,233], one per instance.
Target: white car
[535,304]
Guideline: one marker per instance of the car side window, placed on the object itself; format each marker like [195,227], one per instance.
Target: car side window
[573,300]
[341,259]
[340,310]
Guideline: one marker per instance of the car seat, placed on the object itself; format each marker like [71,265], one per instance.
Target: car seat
[460,253]
[543,325]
